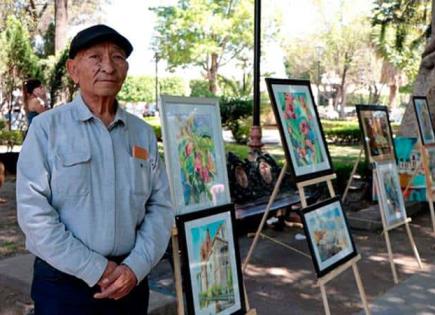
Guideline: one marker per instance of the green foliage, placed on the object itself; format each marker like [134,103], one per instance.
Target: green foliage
[234,114]
[235,88]
[138,89]
[11,137]
[342,132]
[58,78]
[17,60]
[200,88]
[204,33]
[173,86]
[143,88]
[400,29]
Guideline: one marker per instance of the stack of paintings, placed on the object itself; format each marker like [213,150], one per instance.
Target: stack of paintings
[195,161]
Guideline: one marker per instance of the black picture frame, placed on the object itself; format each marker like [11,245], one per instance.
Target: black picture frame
[300,128]
[327,215]
[202,231]
[424,120]
[375,151]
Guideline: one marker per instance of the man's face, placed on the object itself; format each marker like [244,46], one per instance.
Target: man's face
[99,70]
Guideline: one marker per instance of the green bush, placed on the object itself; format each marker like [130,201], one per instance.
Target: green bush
[2,124]
[200,88]
[11,137]
[236,116]
[343,171]
[341,132]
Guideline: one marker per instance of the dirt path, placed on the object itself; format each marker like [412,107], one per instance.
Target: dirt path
[12,302]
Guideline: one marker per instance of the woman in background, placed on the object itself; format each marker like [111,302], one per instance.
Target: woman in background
[35,99]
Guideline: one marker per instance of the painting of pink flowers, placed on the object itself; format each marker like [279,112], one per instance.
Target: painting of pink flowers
[194,153]
[300,128]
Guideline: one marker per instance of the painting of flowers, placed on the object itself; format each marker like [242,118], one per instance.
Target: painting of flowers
[212,264]
[301,132]
[328,235]
[376,132]
[390,193]
[194,153]
[424,121]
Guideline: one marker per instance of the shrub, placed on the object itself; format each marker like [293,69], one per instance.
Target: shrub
[11,137]
[236,116]
[341,132]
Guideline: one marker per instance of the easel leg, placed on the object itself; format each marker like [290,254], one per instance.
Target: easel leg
[263,220]
[414,248]
[349,182]
[361,290]
[177,274]
[390,257]
[432,214]
[325,299]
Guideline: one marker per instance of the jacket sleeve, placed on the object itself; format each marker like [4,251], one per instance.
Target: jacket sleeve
[46,235]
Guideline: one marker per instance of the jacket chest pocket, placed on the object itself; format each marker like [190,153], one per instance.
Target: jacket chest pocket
[141,176]
[72,173]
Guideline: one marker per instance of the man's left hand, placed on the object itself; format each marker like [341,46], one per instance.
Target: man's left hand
[118,284]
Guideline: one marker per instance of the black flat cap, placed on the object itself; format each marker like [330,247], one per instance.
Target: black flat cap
[97,34]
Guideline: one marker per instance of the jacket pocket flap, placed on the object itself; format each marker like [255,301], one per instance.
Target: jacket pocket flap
[73,158]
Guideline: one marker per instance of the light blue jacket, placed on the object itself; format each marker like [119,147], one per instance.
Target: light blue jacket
[82,196]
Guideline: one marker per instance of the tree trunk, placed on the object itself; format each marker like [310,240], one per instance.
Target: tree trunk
[212,74]
[392,97]
[425,86]
[61,21]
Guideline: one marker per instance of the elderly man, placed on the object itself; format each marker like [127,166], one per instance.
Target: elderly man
[93,198]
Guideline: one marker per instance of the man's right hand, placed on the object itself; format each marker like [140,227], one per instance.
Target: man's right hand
[104,281]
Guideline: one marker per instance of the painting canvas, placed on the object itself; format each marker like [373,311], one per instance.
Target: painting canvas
[194,153]
[211,260]
[328,235]
[424,121]
[300,128]
[376,132]
[390,193]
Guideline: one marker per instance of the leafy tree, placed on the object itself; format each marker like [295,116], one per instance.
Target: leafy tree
[204,33]
[17,60]
[142,89]
[400,29]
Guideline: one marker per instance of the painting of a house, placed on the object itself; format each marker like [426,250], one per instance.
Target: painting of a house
[212,264]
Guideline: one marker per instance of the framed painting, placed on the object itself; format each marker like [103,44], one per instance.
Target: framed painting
[328,235]
[376,132]
[390,193]
[424,121]
[194,153]
[212,276]
[300,129]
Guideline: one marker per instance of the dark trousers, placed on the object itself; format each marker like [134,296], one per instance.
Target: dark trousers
[57,293]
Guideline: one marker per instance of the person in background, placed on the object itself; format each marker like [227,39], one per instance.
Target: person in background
[92,194]
[35,99]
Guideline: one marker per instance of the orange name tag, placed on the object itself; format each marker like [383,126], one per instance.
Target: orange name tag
[139,153]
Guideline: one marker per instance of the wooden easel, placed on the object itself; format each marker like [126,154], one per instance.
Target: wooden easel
[331,275]
[322,281]
[386,229]
[178,278]
[430,189]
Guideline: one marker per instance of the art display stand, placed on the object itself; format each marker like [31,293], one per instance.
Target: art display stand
[178,277]
[387,229]
[430,189]
[322,281]
[334,273]
[352,174]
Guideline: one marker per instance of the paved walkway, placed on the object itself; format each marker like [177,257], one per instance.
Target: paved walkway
[279,281]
